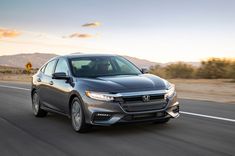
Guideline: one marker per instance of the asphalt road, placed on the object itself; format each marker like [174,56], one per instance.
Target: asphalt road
[23,134]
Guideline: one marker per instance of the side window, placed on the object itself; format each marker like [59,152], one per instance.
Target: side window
[62,66]
[43,68]
[49,68]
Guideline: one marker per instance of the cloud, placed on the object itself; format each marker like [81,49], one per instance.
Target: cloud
[80,35]
[8,33]
[93,24]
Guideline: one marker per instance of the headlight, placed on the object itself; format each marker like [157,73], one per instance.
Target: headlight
[170,91]
[99,96]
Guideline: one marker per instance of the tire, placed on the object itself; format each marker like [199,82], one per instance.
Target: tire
[37,111]
[162,121]
[78,117]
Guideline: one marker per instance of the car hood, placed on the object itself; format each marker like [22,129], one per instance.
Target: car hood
[123,83]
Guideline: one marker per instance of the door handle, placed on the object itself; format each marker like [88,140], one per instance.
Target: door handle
[51,83]
[38,79]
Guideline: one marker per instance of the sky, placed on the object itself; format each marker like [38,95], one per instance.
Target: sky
[157,30]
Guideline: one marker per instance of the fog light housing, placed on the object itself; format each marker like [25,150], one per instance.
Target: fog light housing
[102,116]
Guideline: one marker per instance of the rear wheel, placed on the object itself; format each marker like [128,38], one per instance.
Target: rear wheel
[38,112]
[78,117]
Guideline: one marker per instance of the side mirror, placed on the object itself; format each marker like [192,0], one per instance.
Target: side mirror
[60,75]
[144,70]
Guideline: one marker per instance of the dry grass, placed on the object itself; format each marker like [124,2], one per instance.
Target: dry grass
[15,77]
[221,90]
[15,74]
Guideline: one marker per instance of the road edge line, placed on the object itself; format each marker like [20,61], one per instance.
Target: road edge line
[208,116]
[13,87]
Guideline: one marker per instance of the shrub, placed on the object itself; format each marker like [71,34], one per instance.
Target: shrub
[215,68]
[179,70]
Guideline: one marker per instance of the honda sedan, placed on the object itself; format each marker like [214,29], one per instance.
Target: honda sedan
[101,90]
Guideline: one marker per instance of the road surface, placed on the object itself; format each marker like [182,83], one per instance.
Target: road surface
[204,128]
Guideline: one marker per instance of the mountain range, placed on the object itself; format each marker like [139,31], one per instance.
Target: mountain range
[38,59]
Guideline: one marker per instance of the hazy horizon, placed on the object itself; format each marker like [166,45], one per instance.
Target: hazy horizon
[155,30]
[194,63]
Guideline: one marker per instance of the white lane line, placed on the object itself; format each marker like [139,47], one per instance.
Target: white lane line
[13,87]
[208,116]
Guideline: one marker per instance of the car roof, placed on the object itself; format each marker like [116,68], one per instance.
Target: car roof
[80,55]
[87,55]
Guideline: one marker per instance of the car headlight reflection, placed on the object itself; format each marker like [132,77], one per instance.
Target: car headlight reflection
[99,96]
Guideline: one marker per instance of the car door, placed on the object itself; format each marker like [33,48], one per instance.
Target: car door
[46,85]
[61,88]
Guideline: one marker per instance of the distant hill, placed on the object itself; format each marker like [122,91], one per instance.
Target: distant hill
[194,64]
[19,60]
[38,59]
[141,62]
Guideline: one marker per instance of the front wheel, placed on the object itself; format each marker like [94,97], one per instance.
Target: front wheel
[37,111]
[78,117]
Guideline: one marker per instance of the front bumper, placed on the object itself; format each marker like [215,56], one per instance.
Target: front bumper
[109,113]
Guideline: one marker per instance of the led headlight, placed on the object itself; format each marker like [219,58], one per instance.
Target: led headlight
[170,91]
[99,96]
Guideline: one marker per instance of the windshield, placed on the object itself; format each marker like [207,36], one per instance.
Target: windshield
[102,66]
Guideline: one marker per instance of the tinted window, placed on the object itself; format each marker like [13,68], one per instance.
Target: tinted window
[102,66]
[62,66]
[124,66]
[49,68]
[81,63]
[43,68]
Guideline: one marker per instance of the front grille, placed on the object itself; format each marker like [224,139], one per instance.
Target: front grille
[146,116]
[139,98]
[136,103]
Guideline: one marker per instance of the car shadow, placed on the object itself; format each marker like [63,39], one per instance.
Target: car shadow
[120,129]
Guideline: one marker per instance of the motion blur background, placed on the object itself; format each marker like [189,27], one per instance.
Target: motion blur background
[176,40]
[191,43]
